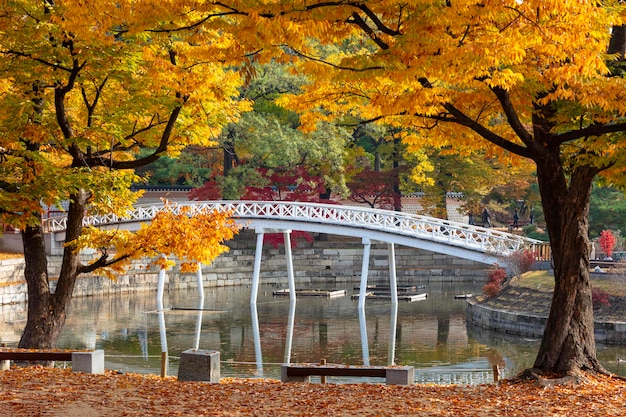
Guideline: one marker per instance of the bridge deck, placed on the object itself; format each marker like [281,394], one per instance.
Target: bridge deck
[463,240]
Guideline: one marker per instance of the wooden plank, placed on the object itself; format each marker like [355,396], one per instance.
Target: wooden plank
[387,288]
[313,293]
[401,297]
[296,370]
[36,356]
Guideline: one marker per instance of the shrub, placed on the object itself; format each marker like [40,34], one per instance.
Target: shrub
[600,298]
[607,242]
[521,261]
[496,277]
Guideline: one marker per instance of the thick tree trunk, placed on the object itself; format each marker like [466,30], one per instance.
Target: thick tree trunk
[42,324]
[568,343]
[47,310]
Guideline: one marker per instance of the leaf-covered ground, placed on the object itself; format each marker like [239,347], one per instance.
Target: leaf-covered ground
[40,391]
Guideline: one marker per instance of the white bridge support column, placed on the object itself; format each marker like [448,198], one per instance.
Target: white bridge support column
[161,315]
[256,274]
[393,286]
[292,295]
[200,305]
[253,297]
[367,245]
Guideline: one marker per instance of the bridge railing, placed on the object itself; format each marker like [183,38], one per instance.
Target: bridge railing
[423,227]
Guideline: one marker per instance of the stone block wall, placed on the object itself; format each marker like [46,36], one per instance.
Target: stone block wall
[326,260]
[510,322]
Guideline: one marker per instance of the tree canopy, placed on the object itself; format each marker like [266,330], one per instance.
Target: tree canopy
[517,79]
[84,89]
[86,85]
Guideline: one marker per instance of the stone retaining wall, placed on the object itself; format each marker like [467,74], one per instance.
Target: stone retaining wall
[327,260]
[609,333]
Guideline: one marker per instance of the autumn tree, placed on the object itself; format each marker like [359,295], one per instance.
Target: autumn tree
[519,79]
[84,88]
[374,188]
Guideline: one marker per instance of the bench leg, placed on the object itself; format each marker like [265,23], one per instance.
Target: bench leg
[286,378]
[404,375]
[88,362]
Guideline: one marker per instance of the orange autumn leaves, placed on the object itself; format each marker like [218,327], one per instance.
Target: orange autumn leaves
[185,233]
[57,392]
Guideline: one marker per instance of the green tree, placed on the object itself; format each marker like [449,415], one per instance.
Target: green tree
[607,210]
[269,137]
[192,167]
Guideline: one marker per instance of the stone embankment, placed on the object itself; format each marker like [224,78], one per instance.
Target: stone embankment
[522,311]
[327,260]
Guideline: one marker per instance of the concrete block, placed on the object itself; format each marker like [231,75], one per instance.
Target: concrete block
[88,362]
[199,365]
[404,375]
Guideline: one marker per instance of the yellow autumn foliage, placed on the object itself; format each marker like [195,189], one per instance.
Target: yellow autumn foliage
[176,233]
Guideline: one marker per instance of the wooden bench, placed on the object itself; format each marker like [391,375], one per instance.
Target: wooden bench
[394,375]
[82,361]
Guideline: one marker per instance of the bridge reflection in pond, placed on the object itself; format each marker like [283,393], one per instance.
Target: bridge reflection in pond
[430,335]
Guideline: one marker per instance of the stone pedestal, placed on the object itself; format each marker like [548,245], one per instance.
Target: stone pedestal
[88,362]
[199,365]
[404,375]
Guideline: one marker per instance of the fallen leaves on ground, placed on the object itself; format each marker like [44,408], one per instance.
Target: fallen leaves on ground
[38,391]
[4,256]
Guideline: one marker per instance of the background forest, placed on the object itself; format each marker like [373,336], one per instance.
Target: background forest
[361,162]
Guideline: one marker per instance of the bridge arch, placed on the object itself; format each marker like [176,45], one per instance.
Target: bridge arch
[483,245]
[465,241]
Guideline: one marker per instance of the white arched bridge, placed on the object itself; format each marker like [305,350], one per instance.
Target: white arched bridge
[465,241]
[475,243]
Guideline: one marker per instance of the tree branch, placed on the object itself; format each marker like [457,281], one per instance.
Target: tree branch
[19,54]
[377,22]
[357,20]
[160,150]
[460,118]
[335,65]
[505,101]
[102,262]
[593,130]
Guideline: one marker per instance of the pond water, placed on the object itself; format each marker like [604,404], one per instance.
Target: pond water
[431,334]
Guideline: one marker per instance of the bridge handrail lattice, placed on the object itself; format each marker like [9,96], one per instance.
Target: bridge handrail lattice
[410,225]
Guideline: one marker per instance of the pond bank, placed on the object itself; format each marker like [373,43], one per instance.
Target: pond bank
[522,311]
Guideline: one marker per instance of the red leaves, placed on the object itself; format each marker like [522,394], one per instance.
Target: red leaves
[607,242]
[492,287]
[599,298]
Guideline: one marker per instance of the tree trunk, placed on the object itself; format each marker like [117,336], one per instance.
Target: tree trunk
[47,310]
[397,194]
[618,41]
[42,324]
[568,343]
